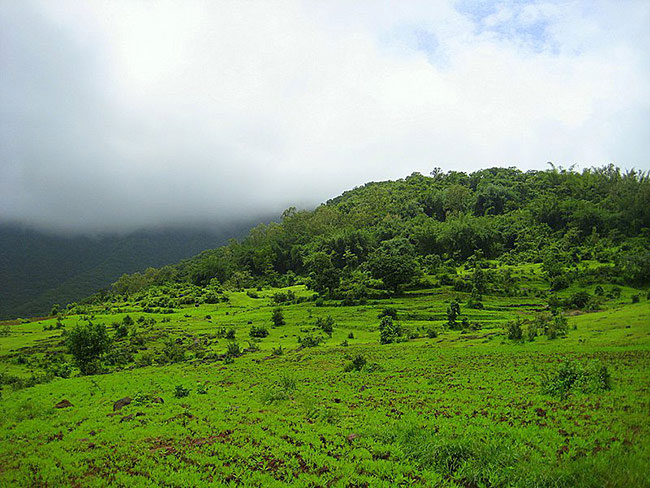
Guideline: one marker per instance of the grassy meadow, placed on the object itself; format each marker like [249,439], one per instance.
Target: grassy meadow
[436,407]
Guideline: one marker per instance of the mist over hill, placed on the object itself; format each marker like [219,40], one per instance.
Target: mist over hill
[38,269]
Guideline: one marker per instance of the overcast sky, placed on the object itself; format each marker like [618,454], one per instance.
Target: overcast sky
[118,115]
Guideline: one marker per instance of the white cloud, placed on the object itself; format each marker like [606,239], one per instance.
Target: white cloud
[124,114]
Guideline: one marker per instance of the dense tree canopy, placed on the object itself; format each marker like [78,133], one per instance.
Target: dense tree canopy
[392,230]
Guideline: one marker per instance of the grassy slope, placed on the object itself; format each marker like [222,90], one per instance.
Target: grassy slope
[457,410]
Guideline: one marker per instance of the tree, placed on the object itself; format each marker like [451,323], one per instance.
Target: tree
[453,311]
[87,344]
[394,263]
[277,317]
[388,330]
[325,277]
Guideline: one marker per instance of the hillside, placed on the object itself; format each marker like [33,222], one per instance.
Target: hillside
[39,269]
[452,330]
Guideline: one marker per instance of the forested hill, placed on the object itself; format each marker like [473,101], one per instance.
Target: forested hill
[39,269]
[383,235]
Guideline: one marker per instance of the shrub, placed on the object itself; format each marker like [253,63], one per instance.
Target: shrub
[351,335]
[121,331]
[282,389]
[513,330]
[88,344]
[127,320]
[557,327]
[202,389]
[119,356]
[277,318]
[635,298]
[259,332]
[579,299]
[432,333]
[180,391]
[388,312]
[560,283]
[453,311]
[172,352]
[233,350]
[278,351]
[389,331]
[310,341]
[326,324]
[572,376]
[531,331]
[145,359]
[356,364]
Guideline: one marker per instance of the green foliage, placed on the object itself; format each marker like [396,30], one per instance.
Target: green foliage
[259,332]
[394,263]
[573,376]
[389,330]
[181,392]
[453,311]
[233,350]
[356,364]
[325,324]
[277,318]
[88,344]
[282,389]
[514,331]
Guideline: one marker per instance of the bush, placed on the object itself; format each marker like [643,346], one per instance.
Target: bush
[180,391]
[278,351]
[145,359]
[531,331]
[389,331]
[453,311]
[388,312]
[432,333]
[172,352]
[233,350]
[635,298]
[121,331]
[579,299]
[277,318]
[88,344]
[560,283]
[572,376]
[513,330]
[282,389]
[356,364]
[259,332]
[325,324]
[310,341]
[558,326]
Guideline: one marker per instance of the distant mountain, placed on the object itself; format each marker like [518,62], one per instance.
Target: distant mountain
[39,269]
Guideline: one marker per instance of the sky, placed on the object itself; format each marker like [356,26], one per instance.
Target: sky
[120,115]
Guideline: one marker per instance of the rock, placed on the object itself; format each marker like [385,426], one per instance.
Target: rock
[352,437]
[63,404]
[122,402]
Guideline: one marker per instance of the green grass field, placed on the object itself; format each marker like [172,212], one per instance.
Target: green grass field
[462,409]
